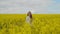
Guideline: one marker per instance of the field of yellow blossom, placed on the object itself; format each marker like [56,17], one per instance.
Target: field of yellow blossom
[42,24]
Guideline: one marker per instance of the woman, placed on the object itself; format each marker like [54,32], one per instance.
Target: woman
[29,18]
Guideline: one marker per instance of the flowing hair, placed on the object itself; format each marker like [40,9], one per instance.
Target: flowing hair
[29,14]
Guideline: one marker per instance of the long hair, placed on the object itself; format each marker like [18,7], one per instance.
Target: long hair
[29,14]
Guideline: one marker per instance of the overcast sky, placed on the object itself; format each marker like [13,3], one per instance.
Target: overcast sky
[36,6]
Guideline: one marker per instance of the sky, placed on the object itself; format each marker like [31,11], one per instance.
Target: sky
[35,6]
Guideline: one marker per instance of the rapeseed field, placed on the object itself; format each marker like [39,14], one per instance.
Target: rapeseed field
[41,24]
